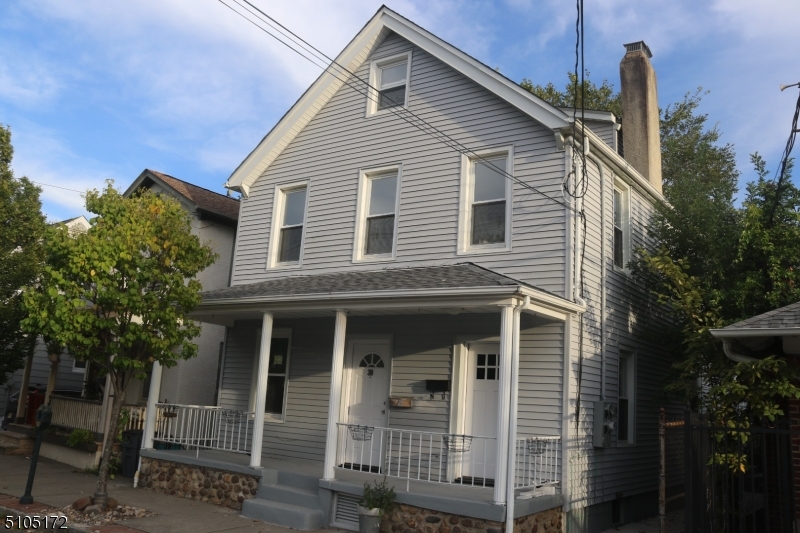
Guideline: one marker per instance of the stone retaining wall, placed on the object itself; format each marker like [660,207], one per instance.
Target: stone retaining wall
[197,482]
[410,519]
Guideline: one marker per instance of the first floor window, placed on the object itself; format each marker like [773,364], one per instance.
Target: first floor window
[79,366]
[626,396]
[276,382]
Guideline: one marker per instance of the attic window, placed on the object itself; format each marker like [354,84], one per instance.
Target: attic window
[389,81]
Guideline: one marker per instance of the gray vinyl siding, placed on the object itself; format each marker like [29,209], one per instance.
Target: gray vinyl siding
[422,348]
[340,140]
[631,314]
[66,379]
[607,131]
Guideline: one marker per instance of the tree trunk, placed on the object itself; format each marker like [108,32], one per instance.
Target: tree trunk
[100,496]
[55,359]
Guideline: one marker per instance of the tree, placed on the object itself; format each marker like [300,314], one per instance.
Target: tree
[22,227]
[602,98]
[119,295]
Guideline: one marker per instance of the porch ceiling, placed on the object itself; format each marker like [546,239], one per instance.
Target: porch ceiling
[444,289]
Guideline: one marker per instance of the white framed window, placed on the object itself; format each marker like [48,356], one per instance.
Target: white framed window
[278,374]
[626,398]
[388,78]
[79,367]
[376,214]
[622,226]
[484,224]
[288,225]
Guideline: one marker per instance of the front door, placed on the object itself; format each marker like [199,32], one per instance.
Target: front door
[369,368]
[483,380]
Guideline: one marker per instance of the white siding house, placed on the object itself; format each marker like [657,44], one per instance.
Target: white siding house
[410,308]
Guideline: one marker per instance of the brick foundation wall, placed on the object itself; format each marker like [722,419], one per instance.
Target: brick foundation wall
[410,519]
[199,483]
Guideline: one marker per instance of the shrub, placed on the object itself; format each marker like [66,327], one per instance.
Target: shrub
[79,436]
[380,496]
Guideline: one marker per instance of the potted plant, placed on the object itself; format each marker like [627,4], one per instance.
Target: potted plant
[377,501]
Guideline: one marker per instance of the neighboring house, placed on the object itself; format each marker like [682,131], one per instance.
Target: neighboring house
[70,372]
[774,333]
[400,308]
[193,381]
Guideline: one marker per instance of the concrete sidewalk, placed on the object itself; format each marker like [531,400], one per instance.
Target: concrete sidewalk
[59,485]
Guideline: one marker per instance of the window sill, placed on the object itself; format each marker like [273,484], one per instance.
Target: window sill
[489,249]
[625,271]
[286,266]
[375,259]
[386,111]
[273,419]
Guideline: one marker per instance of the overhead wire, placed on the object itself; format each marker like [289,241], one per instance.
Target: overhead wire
[787,151]
[346,76]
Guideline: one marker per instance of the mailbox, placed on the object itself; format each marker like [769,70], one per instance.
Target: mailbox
[44,415]
[437,385]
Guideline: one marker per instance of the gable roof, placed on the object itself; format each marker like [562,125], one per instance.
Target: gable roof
[782,321]
[352,57]
[202,199]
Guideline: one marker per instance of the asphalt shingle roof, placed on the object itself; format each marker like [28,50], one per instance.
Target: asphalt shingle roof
[206,200]
[783,317]
[462,275]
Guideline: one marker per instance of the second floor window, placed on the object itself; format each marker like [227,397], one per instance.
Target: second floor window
[621,227]
[376,225]
[389,83]
[289,225]
[486,189]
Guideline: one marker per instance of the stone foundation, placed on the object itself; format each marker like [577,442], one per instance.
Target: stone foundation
[197,482]
[410,519]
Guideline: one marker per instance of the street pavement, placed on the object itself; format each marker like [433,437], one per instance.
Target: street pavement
[59,485]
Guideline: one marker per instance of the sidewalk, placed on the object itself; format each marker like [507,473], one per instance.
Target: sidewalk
[59,485]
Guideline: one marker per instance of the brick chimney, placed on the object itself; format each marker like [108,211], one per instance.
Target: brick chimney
[640,121]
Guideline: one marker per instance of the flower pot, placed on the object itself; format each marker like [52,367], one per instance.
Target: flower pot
[369,520]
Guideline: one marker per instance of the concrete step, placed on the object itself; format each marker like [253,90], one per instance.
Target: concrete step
[283,514]
[300,481]
[291,495]
[6,448]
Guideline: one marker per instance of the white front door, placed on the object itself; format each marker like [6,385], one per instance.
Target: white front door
[369,367]
[483,380]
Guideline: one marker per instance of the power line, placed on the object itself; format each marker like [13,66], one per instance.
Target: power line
[298,43]
[781,175]
[56,186]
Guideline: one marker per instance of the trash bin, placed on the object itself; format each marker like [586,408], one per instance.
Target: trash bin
[131,442]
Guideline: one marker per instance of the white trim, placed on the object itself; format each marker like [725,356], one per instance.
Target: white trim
[352,57]
[261,389]
[335,398]
[278,206]
[754,332]
[277,333]
[374,69]
[347,377]
[630,370]
[625,195]
[79,370]
[466,194]
[365,177]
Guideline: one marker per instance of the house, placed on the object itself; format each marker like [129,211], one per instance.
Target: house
[414,296]
[192,381]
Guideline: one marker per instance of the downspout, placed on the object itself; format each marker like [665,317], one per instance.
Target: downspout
[603,274]
[565,415]
[512,412]
[734,355]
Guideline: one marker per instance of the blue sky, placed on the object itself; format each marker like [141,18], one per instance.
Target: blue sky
[97,90]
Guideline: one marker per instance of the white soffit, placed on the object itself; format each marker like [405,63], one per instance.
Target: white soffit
[352,57]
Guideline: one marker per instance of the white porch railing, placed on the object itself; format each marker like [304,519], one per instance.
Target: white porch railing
[537,462]
[466,460]
[75,413]
[201,426]
[137,414]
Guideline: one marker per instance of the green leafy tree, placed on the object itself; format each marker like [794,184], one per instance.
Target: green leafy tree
[599,98]
[22,228]
[119,295]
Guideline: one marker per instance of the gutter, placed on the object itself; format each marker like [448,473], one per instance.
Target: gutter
[754,332]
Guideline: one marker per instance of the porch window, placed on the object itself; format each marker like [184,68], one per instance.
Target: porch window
[289,218]
[485,219]
[621,227]
[626,397]
[389,81]
[277,374]
[78,366]
[376,227]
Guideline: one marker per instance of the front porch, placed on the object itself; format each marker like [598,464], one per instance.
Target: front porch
[454,395]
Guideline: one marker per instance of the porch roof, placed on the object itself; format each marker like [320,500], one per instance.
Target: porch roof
[462,285]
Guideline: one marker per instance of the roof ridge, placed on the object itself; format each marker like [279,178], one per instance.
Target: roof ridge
[164,174]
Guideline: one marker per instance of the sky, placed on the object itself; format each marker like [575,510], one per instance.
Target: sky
[96,90]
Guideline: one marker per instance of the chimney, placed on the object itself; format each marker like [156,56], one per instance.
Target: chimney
[640,121]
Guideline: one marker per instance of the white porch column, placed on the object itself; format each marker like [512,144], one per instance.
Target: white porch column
[512,427]
[504,400]
[261,390]
[335,400]
[152,400]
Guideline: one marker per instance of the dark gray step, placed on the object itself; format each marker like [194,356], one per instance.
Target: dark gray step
[283,514]
[6,448]
[291,479]
[287,494]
